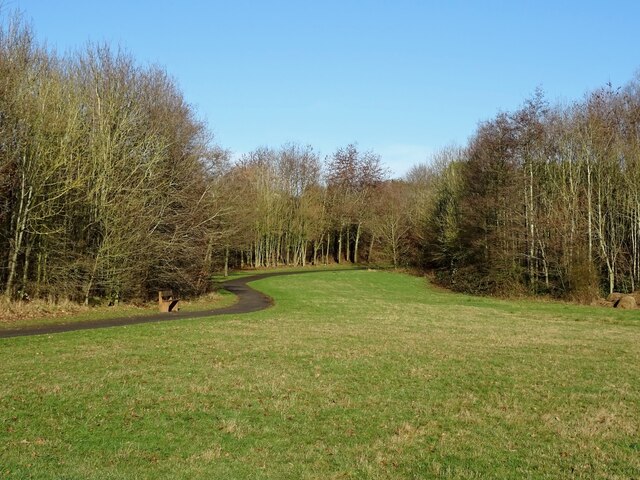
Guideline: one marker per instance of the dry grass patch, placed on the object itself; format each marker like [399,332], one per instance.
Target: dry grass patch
[39,312]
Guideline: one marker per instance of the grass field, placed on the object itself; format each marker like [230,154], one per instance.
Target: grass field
[354,374]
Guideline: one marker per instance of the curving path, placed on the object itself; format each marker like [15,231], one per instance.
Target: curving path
[249,300]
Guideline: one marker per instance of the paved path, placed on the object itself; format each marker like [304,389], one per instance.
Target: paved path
[249,300]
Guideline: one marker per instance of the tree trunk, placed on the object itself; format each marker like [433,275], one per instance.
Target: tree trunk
[339,244]
[25,266]
[355,247]
[589,215]
[373,238]
[545,266]
[287,249]
[612,278]
[394,245]
[87,292]
[208,257]
[16,244]
[326,258]
[532,239]
[347,237]
[39,273]
[303,255]
[226,261]
[315,252]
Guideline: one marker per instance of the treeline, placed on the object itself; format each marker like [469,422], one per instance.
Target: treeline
[106,176]
[543,200]
[111,188]
[287,207]
[290,208]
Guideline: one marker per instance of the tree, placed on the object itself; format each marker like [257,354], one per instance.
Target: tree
[352,178]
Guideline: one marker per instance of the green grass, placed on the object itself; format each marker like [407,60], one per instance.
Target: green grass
[235,274]
[352,374]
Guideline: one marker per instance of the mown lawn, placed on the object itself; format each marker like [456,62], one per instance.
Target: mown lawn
[353,374]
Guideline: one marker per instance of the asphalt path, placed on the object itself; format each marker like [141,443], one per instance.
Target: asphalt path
[249,300]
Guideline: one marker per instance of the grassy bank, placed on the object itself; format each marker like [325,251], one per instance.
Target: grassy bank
[352,374]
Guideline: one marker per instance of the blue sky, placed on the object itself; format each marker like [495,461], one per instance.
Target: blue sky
[404,78]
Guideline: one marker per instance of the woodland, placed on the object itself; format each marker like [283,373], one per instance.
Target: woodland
[111,189]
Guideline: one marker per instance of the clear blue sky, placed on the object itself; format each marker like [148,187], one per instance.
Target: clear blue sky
[403,78]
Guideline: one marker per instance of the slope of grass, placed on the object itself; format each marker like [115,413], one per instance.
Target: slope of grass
[352,374]
[247,272]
